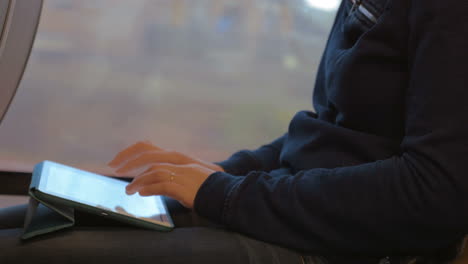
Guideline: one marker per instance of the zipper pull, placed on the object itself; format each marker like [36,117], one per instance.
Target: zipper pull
[356,4]
[385,260]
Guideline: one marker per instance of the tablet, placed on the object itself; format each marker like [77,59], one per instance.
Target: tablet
[99,194]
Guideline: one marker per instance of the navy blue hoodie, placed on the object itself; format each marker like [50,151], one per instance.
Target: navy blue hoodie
[381,166]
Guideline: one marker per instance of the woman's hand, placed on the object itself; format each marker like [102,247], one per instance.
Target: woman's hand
[144,154]
[169,173]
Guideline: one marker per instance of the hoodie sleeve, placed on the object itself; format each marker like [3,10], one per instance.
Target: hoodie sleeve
[265,158]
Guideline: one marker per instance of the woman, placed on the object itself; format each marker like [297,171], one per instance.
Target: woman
[376,175]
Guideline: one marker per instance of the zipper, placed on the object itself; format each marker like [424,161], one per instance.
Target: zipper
[358,5]
[385,260]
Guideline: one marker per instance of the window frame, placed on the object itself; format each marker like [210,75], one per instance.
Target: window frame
[18,29]
[14,183]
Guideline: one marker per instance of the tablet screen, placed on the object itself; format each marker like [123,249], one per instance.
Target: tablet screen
[102,192]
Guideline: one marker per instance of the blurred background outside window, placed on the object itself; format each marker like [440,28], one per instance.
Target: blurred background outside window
[206,77]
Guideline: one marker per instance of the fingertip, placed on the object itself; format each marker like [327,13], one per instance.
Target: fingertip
[118,174]
[119,171]
[129,188]
[115,162]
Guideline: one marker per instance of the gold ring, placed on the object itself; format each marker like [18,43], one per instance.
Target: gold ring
[172,177]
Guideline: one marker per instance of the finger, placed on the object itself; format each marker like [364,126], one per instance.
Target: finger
[158,166]
[131,151]
[174,191]
[149,178]
[150,157]
[177,169]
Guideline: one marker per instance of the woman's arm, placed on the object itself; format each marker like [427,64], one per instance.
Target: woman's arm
[414,201]
[144,154]
[265,158]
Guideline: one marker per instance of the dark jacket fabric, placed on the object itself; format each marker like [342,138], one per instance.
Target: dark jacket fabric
[380,167]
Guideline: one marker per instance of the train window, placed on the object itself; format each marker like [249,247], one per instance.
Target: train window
[206,77]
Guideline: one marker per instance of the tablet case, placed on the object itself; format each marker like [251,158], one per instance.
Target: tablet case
[49,214]
[44,217]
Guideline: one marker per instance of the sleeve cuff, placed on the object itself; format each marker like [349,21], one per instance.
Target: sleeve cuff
[213,197]
[240,163]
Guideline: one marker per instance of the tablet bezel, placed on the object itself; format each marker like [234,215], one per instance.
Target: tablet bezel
[40,176]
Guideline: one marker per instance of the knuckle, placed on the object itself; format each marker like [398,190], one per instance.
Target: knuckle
[181,157]
[189,165]
[192,166]
[154,168]
[157,167]
[197,166]
[145,155]
[141,144]
[174,153]
[164,188]
[159,173]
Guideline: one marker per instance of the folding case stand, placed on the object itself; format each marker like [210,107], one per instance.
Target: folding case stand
[44,217]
